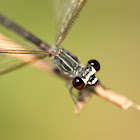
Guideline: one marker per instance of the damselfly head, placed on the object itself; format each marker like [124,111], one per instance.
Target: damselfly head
[87,76]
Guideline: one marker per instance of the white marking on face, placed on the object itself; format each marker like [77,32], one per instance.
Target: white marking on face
[93,71]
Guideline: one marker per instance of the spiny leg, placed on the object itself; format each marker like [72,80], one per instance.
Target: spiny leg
[74,100]
[68,84]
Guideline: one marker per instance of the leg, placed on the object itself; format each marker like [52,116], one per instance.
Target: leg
[74,100]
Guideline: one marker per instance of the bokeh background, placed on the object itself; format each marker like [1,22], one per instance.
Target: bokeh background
[35,105]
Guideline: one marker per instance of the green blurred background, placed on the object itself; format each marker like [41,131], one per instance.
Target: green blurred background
[35,105]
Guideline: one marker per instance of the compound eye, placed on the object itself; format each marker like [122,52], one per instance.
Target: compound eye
[78,83]
[95,64]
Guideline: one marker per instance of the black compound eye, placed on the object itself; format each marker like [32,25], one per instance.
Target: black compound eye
[95,64]
[78,83]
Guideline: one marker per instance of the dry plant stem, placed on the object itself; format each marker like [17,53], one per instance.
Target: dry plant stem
[107,94]
[81,105]
[115,98]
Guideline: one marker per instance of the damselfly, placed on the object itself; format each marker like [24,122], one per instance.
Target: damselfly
[14,56]
[65,61]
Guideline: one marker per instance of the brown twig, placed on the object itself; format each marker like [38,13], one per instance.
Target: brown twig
[115,98]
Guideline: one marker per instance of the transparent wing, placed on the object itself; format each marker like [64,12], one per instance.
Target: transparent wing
[14,56]
[66,13]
